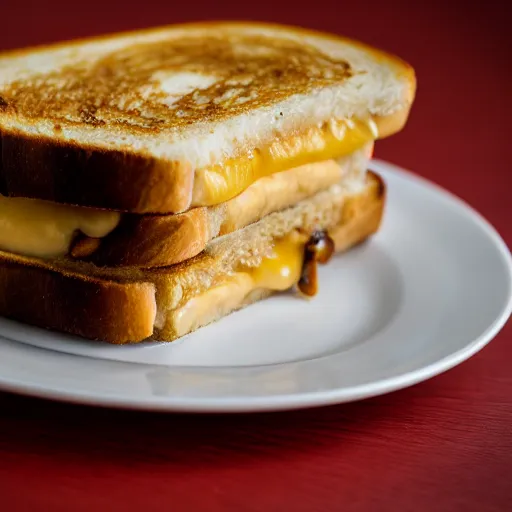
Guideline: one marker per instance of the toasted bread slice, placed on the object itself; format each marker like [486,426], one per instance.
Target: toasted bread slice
[130,305]
[161,120]
[160,240]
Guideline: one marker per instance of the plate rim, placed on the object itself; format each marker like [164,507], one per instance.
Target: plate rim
[305,399]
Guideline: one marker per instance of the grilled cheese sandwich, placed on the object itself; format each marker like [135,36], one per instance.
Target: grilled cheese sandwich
[156,181]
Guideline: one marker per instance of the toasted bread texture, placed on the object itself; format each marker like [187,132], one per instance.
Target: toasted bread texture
[125,121]
[130,305]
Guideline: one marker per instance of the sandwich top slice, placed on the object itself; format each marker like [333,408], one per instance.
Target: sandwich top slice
[169,119]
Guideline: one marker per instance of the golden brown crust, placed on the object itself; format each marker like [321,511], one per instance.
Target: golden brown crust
[112,91]
[75,303]
[70,173]
[154,240]
[397,61]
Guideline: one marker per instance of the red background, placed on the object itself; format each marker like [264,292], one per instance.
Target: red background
[443,445]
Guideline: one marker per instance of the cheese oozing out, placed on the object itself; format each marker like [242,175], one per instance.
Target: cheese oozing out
[219,183]
[43,229]
[279,271]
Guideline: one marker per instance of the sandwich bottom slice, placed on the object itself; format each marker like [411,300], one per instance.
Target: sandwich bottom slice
[129,305]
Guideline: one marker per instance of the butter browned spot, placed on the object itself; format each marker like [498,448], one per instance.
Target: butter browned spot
[318,249]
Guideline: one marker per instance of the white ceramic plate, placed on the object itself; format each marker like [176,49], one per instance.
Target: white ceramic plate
[426,293]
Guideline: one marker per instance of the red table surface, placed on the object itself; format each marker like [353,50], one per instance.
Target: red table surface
[443,445]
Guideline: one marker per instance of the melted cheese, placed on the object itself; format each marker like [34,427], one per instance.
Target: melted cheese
[219,183]
[43,229]
[282,268]
[212,304]
[279,271]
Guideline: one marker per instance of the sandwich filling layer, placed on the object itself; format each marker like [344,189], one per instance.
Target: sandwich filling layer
[38,228]
[334,139]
